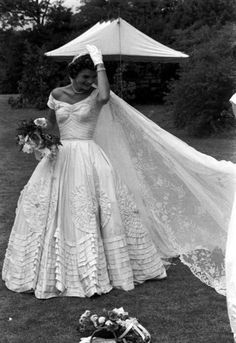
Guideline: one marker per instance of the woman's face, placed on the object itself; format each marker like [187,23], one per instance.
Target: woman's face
[85,79]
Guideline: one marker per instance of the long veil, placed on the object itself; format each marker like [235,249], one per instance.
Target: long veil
[184,197]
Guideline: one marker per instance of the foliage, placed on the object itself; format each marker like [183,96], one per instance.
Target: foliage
[201,94]
[210,12]
[121,85]
[12,48]
[40,75]
[17,102]
[17,44]
[19,13]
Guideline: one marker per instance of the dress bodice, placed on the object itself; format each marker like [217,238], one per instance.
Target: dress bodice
[76,121]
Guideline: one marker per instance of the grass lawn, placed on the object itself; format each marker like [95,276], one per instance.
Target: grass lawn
[179,309]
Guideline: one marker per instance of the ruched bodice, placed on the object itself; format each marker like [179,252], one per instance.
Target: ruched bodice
[76,121]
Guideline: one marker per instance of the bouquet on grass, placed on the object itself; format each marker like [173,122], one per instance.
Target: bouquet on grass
[32,138]
[112,326]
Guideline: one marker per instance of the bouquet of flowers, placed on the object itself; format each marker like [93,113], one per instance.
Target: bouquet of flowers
[32,138]
[112,326]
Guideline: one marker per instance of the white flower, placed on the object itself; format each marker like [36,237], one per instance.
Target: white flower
[32,143]
[86,314]
[94,319]
[120,322]
[42,122]
[27,148]
[21,140]
[108,322]
[120,311]
[101,320]
[130,321]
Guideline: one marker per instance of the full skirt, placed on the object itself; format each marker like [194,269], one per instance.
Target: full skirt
[78,230]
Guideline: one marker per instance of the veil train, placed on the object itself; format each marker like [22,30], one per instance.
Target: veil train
[185,198]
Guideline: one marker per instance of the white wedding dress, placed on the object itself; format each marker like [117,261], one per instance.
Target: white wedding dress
[122,198]
[77,229]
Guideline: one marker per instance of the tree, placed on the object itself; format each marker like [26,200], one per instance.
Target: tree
[21,13]
[201,12]
[41,74]
[54,29]
[143,14]
[200,96]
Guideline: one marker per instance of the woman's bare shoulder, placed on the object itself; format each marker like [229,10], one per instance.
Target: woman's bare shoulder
[58,92]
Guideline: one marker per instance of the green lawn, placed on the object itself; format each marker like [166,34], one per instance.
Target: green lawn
[179,309]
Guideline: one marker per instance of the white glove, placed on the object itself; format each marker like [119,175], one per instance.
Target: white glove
[95,54]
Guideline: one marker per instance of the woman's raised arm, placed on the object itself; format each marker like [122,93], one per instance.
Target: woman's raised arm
[103,83]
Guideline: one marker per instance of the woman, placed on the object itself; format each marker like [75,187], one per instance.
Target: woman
[123,197]
[72,235]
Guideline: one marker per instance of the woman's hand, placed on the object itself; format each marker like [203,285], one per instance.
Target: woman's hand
[95,54]
[102,81]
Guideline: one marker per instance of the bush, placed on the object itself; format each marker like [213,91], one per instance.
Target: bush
[16,102]
[39,77]
[205,84]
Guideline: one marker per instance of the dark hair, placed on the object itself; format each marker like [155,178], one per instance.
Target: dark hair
[80,63]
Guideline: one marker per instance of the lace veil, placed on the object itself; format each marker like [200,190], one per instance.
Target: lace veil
[184,197]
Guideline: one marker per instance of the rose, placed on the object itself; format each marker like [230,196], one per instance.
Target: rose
[86,314]
[84,317]
[101,320]
[42,122]
[94,319]
[113,316]
[120,312]
[36,140]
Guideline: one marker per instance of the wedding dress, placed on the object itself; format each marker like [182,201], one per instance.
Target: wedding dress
[122,198]
[77,229]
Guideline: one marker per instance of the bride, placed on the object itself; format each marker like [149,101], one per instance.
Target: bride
[77,230]
[122,198]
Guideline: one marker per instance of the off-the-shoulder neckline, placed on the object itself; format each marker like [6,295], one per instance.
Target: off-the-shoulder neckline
[77,102]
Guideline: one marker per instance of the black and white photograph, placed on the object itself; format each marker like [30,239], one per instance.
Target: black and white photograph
[118,171]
